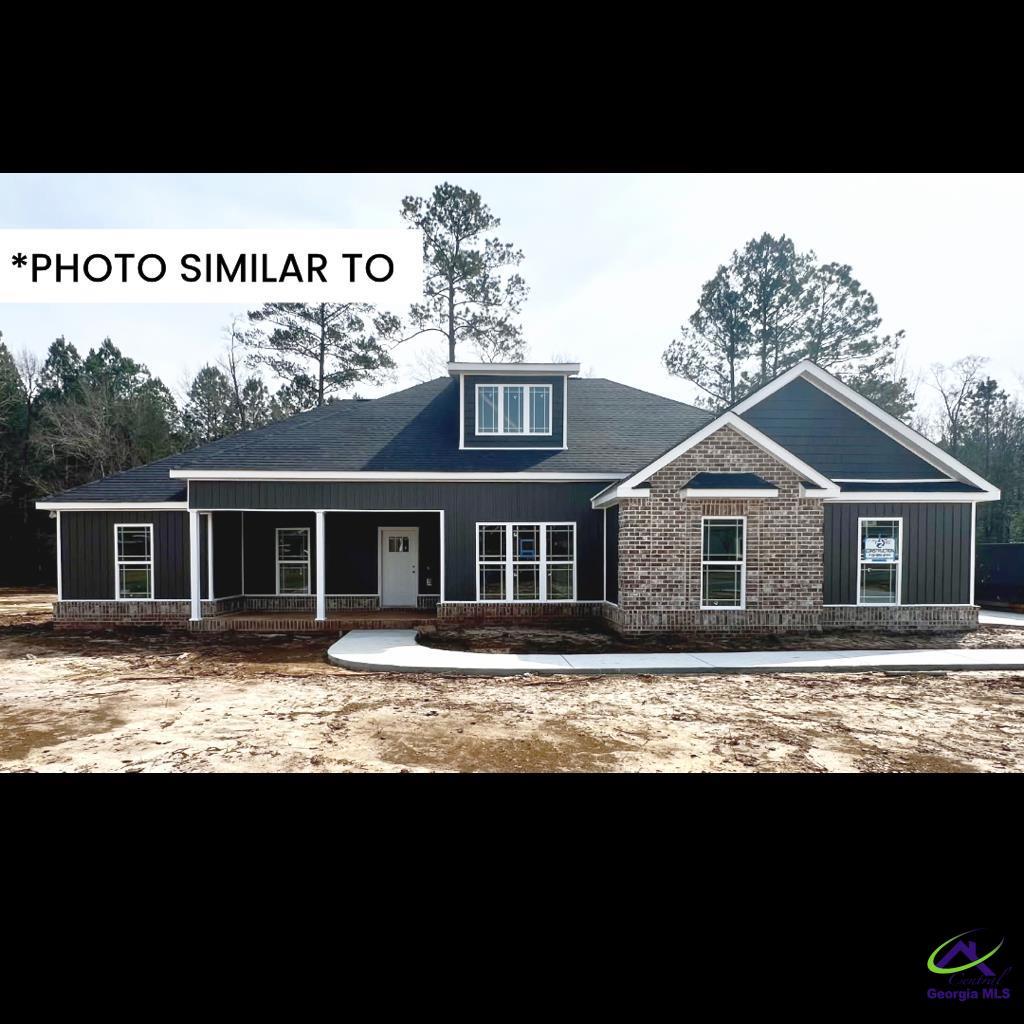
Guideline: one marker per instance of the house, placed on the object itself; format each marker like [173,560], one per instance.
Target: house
[512,491]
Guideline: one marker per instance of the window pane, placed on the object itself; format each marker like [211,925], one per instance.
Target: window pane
[293,579]
[487,411]
[133,543]
[398,544]
[540,410]
[136,582]
[721,587]
[723,540]
[293,544]
[492,583]
[526,583]
[513,410]
[559,543]
[526,543]
[878,584]
[559,582]
[879,541]
[492,543]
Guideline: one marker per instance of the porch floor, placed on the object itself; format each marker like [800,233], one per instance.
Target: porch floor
[337,620]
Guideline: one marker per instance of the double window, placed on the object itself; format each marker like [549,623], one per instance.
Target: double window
[879,550]
[293,560]
[513,408]
[133,574]
[723,562]
[526,561]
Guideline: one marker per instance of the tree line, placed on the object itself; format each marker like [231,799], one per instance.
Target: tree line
[68,418]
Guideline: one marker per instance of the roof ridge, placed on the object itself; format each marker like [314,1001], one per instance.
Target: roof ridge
[641,391]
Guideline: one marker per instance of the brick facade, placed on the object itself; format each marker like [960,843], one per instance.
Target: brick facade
[660,547]
[927,618]
[502,611]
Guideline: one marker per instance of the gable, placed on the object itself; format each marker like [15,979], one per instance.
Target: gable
[832,438]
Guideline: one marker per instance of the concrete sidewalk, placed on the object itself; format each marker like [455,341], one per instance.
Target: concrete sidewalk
[396,650]
[994,618]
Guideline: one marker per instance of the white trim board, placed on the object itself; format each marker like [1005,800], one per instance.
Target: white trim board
[357,476]
[728,419]
[867,410]
[730,492]
[110,506]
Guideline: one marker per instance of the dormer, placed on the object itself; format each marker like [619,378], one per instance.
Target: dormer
[517,406]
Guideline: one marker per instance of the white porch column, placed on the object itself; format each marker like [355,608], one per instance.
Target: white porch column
[321,584]
[194,564]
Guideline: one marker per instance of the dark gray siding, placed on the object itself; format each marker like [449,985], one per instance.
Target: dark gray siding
[227,554]
[474,440]
[87,553]
[464,505]
[936,550]
[260,549]
[351,559]
[831,438]
[612,555]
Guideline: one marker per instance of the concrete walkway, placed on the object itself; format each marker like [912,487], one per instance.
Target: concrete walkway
[396,650]
[994,618]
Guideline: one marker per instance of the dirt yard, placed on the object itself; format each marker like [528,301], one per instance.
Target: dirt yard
[134,702]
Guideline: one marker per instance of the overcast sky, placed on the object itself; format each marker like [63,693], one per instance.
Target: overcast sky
[614,262]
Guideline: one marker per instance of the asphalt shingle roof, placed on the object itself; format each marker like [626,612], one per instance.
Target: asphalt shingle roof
[613,428]
[727,481]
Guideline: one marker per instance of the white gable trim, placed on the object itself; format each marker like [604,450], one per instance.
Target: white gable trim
[752,434]
[879,418]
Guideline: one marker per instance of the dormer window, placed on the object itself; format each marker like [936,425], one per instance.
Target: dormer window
[513,409]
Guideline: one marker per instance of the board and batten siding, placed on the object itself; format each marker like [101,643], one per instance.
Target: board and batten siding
[88,555]
[936,556]
[611,555]
[464,505]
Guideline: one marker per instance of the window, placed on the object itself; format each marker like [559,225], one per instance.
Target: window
[513,408]
[723,563]
[526,561]
[133,576]
[878,560]
[398,544]
[293,560]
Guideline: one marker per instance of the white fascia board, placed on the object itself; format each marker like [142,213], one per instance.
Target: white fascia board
[751,433]
[507,369]
[877,417]
[935,497]
[612,496]
[357,476]
[730,492]
[110,506]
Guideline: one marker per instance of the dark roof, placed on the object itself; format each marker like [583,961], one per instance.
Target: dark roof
[147,483]
[830,437]
[936,487]
[613,428]
[729,481]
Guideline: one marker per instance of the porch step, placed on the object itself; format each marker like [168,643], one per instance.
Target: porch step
[275,622]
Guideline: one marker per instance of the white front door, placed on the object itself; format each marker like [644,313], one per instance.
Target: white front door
[399,567]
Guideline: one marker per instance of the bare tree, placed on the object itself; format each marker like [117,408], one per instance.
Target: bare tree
[428,363]
[956,385]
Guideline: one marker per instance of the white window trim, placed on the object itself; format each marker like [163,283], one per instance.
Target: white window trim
[135,563]
[527,412]
[292,561]
[742,563]
[898,520]
[542,563]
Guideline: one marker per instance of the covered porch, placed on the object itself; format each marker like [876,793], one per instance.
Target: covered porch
[314,569]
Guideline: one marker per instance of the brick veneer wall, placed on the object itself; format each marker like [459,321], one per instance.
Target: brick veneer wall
[934,618]
[500,611]
[660,547]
